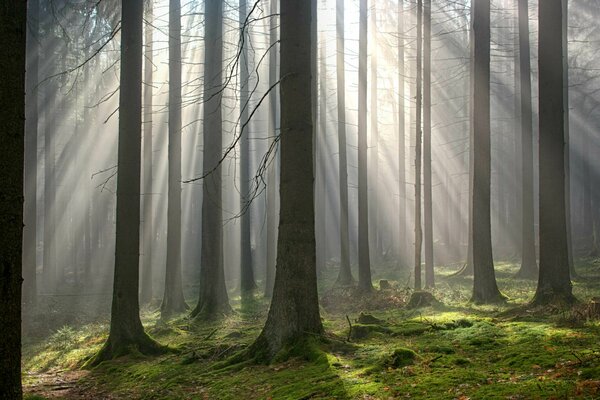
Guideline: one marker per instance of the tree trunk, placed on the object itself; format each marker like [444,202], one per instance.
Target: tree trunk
[554,284]
[13,17]
[528,262]
[126,330]
[418,157]
[485,289]
[294,312]
[247,284]
[567,154]
[31,134]
[402,220]
[272,200]
[345,274]
[364,261]
[213,300]
[173,301]
[146,292]
[427,195]
[373,169]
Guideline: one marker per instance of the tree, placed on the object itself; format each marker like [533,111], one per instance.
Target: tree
[247,283]
[554,282]
[427,195]
[13,18]
[294,312]
[418,229]
[173,301]
[485,289]
[402,220]
[147,226]
[212,300]
[31,133]
[272,203]
[345,273]
[364,260]
[126,330]
[528,262]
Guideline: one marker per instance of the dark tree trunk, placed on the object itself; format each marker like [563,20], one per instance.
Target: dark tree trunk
[247,283]
[272,200]
[146,290]
[345,274]
[173,301]
[126,330]
[294,313]
[554,284]
[528,263]
[213,300]
[418,157]
[485,289]
[427,195]
[567,155]
[31,134]
[13,17]
[364,260]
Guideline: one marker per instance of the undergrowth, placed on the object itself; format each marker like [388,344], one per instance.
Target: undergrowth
[458,351]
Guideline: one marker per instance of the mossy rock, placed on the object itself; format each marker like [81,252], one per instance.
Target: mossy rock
[369,319]
[384,284]
[401,357]
[422,299]
[363,331]
[411,328]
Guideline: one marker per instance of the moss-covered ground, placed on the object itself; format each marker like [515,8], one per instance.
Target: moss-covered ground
[454,351]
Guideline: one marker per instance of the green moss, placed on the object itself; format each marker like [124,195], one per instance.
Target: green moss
[401,357]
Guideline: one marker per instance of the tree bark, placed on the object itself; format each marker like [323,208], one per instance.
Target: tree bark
[213,300]
[173,301]
[485,289]
[345,273]
[402,220]
[427,189]
[31,136]
[554,283]
[247,283]
[126,330]
[364,260]
[272,200]
[13,20]
[418,156]
[528,268]
[294,312]
[146,290]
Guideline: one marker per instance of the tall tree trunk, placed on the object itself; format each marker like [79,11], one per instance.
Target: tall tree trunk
[213,300]
[567,155]
[322,152]
[485,289]
[427,195]
[13,19]
[402,220]
[31,134]
[294,312]
[146,291]
[126,330]
[554,284]
[173,301]
[528,262]
[247,283]
[373,167]
[418,157]
[345,274]
[364,261]
[272,200]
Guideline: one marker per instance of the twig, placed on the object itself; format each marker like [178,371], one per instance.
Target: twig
[350,330]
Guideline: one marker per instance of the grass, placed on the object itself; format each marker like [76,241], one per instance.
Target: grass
[457,352]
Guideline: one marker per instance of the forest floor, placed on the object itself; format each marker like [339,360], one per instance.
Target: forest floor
[455,350]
